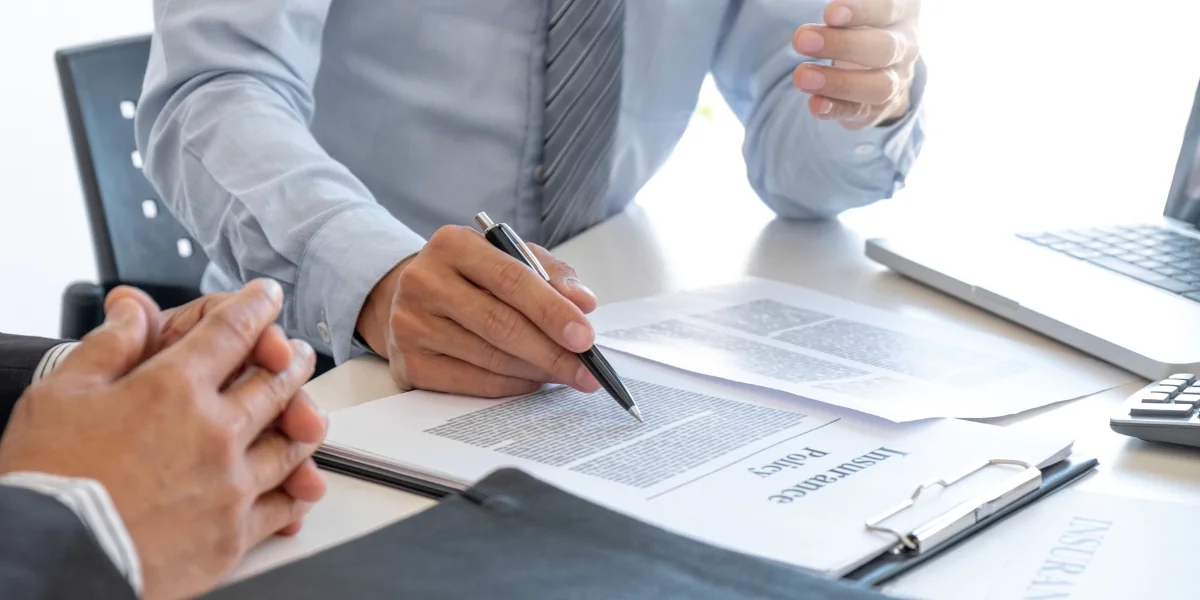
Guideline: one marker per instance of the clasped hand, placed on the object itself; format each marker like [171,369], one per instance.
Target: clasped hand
[874,49]
[194,422]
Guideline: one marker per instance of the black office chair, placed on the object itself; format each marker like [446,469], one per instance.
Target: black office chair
[137,241]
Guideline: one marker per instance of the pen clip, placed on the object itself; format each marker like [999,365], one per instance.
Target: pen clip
[526,253]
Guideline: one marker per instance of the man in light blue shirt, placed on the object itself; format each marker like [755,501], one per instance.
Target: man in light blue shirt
[340,148]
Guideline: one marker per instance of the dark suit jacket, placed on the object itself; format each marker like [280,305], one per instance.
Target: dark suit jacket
[45,550]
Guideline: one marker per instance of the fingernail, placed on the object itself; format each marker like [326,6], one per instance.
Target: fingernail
[302,356]
[585,380]
[575,283]
[274,290]
[812,80]
[123,312]
[317,409]
[840,16]
[809,42]
[578,337]
[824,107]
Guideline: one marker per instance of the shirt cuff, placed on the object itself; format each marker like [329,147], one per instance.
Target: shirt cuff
[899,142]
[92,504]
[342,264]
[51,359]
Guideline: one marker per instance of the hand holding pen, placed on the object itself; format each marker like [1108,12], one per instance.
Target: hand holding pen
[460,317]
[504,238]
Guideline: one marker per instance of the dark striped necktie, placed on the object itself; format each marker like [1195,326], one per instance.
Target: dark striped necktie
[583,97]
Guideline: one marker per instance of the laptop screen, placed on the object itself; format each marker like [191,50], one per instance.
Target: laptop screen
[1184,202]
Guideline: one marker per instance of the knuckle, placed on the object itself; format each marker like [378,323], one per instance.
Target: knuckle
[563,364]
[171,381]
[564,269]
[294,454]
[234,494]
[509,277]
[414,281]
[282,386]
[221,450]
[885,90]
[501,324]
[237,324]
[494,359]
[228,546]
[408,367]
[448,237]
[406,326]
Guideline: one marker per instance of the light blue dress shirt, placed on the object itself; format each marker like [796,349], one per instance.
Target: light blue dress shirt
[320,142]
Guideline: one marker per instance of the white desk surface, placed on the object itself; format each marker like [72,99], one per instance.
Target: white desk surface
[646,251]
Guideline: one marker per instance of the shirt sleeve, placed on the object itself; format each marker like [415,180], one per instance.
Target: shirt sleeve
[92,504]
[801,166]
[223,124]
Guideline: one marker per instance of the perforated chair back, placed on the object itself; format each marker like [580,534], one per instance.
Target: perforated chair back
[137,241]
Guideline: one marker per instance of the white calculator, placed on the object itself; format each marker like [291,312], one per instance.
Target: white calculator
[1164,411]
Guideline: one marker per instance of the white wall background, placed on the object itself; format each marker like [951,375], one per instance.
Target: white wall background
[44,240]
[1097,73]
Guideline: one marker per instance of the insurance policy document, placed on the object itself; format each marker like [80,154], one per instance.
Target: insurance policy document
[746,468]
[823,348]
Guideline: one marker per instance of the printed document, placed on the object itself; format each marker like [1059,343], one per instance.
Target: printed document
[737,466]
[1072,545]
[788,338]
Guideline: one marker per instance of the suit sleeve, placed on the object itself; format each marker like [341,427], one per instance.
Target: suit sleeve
[47,552]
[20,358]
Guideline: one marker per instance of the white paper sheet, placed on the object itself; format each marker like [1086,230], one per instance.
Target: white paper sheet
[737,466]
[823,348]
[1072,545]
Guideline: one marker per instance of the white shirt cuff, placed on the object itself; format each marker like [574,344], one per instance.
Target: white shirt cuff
[51,359]
[92,504]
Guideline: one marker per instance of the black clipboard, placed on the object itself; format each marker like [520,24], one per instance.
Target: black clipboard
[991,507]
[912,550]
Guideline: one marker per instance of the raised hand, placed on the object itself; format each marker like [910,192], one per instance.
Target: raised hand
[874,49]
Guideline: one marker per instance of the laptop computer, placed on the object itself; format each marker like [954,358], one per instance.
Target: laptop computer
[1127,293]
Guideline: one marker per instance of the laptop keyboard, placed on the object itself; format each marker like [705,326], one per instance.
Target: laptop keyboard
[1157,255]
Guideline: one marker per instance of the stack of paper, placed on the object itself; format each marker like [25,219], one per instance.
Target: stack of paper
[746,468]
[822,348]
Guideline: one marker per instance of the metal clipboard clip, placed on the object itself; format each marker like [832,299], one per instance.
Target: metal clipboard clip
[926,537]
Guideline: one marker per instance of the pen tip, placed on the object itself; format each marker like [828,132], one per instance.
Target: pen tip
[637,413]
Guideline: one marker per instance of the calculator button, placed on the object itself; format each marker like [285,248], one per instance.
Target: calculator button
[1188,376]
[1195,389]
[1160,410]
[1188,399]
[1165,389]
[1175,382]
[1154,398]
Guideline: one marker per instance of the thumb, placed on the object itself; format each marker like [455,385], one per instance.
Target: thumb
[154,315]
[564,279]
[112,350]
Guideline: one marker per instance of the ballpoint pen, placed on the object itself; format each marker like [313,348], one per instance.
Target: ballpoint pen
[504,238]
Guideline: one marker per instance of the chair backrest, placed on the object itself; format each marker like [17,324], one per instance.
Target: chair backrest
[137,241]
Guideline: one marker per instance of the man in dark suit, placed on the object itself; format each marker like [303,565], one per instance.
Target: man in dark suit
[148,458]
